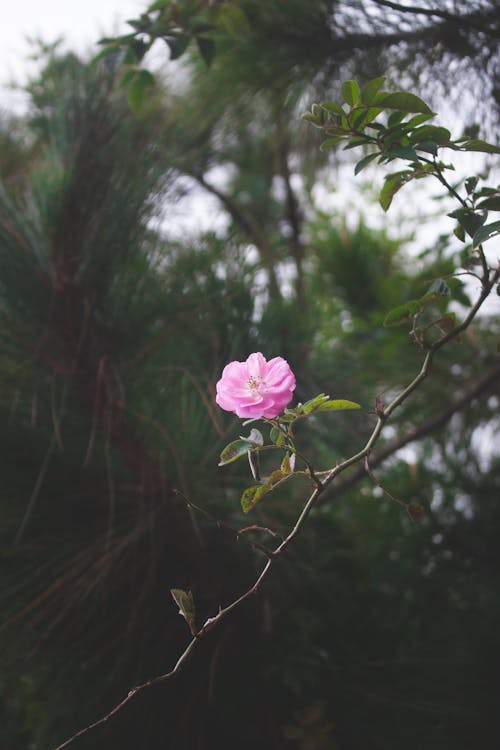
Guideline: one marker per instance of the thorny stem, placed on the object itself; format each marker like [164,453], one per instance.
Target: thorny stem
[383,416]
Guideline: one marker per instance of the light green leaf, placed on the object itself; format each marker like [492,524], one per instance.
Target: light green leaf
[337,109]
[350,92]
[252,495]
[338,405]
[370,89]
[185,602]
[138,88]
[313,403]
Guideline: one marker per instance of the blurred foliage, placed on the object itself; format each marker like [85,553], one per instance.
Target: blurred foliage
[374,632]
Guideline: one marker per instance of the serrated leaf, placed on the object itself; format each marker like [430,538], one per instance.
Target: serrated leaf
[370,89]
[252,495]
[185,602]
[362,163]
[234,450]
[405,102]
[338,405]
[485,233]
[350,92]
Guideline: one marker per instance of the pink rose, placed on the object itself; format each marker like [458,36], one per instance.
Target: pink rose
[256,388]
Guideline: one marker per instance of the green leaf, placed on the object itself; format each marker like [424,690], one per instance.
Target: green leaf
[438,135]
[313,403]
[235,450]
[395,118]
[350,92]
[485,233]
[337,109]
[234,20]
[206,47]
[277,437]
[252,495]
[392,184]
[185,602]
[470,184]
[370,89]
[138,88]
[329,143]
[177,45]
[405,102]
[468,219]
[477,145]
[490,204]
[288,464]
[400,314]
[364,162]
[403,152]
[338,405]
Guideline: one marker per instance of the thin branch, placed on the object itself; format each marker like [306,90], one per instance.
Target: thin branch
[417,433]
[467,20]
[383,417]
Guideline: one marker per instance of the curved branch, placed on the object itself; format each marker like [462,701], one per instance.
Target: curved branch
[383,417]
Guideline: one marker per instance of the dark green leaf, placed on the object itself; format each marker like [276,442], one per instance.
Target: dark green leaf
[177,45]
[485,233]
[206,47]
[490,204]
[329,143]
[483,146]
[405,102]
[234,450]
[470,184]
[364,162]
[395,118]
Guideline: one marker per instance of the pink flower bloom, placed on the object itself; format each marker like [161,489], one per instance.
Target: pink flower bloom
[256,388]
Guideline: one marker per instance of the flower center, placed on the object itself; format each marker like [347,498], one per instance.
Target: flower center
[254,383]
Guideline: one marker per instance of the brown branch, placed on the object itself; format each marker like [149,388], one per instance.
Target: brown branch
[251,227]
[417,433]
[466,20]
[383,417]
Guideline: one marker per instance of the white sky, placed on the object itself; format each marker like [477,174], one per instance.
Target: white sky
[80,24]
